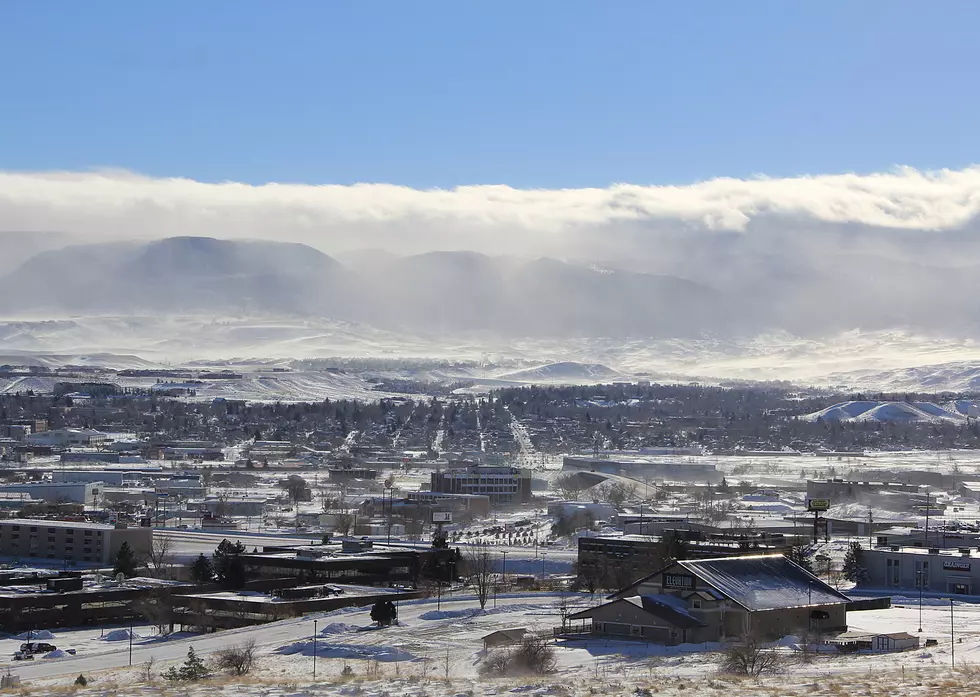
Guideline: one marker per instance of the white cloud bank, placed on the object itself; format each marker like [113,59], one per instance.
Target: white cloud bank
[113,204]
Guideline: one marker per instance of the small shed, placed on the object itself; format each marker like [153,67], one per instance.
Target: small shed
[503,637]
[874,643]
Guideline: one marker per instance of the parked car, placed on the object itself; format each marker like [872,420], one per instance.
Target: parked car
[37,647]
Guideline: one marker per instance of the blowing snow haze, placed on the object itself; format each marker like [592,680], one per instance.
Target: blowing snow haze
[811,256]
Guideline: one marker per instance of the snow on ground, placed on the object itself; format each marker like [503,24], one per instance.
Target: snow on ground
[441,655]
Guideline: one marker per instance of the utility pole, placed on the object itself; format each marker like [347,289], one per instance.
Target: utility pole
[928,506]
[919,574]
[952,641]
[314,650]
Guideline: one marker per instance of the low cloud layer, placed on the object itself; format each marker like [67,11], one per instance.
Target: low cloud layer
[113,205]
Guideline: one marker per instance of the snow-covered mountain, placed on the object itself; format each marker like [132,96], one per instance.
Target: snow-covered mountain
[896,412]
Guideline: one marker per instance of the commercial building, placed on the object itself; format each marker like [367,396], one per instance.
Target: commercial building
[616,560]
[84,493]
[69,541]
[359,562]
[894,496]
[937,570]
[476,505]
[118,477]
[645,468]
[707,600]
[502,485]
[68,437]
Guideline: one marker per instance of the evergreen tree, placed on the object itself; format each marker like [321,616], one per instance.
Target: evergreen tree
[125,562]
[229,569]
[800,555]
[384,613]
[201,570]
[192,670]
[854,569]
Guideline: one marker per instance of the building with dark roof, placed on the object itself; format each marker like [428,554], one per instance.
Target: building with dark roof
[694,601]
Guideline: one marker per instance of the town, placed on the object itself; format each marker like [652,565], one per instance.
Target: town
[745,527]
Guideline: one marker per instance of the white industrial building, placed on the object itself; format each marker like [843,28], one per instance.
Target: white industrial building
[84,493]
[68,437]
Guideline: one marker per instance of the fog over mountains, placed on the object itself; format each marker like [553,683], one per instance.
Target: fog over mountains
[436,292]
[810,256]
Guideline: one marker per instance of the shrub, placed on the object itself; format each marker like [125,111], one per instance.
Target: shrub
[750,658]
[237,660]
[533,656]
[81,680]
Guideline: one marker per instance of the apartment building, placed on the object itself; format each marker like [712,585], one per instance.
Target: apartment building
[24,538]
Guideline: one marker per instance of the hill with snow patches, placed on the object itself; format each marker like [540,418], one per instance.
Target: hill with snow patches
[957,411]
[565,372]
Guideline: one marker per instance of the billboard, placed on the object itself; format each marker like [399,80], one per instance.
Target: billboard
[442,517]
[814,505]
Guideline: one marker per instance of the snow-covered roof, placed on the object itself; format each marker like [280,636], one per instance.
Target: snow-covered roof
[764,582]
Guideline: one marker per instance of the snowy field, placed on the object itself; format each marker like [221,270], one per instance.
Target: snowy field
[437,650]
[895,360]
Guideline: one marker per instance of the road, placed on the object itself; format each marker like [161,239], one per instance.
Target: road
[269,637]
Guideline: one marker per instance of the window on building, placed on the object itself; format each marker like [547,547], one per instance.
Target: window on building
[893,571]
[51,530]
[15,527]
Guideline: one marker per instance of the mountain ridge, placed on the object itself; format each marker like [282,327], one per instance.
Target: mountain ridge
[440,291]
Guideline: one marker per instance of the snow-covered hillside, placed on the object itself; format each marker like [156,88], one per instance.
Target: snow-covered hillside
[896,412]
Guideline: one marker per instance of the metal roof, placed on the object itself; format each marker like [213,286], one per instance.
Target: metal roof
[764,582]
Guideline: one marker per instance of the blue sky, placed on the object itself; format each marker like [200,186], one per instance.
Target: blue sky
[545,94]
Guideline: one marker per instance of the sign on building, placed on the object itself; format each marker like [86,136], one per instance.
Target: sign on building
[682,581]
[956,565]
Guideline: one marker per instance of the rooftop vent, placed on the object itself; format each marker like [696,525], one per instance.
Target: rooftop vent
[934,550]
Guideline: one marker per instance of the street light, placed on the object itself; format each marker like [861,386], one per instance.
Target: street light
[919,576]
[314,649]
[130,642]
[952,642]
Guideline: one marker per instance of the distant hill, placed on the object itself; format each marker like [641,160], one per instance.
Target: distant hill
[431,293]
[894,412]
[565,372]
[18,247]
[179,274]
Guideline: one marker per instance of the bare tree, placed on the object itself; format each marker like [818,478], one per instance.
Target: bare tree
[343,522]
[479,564]
[750,657]
[568,486]
[615,493]
[146,671]
[238,659]
[160,556]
